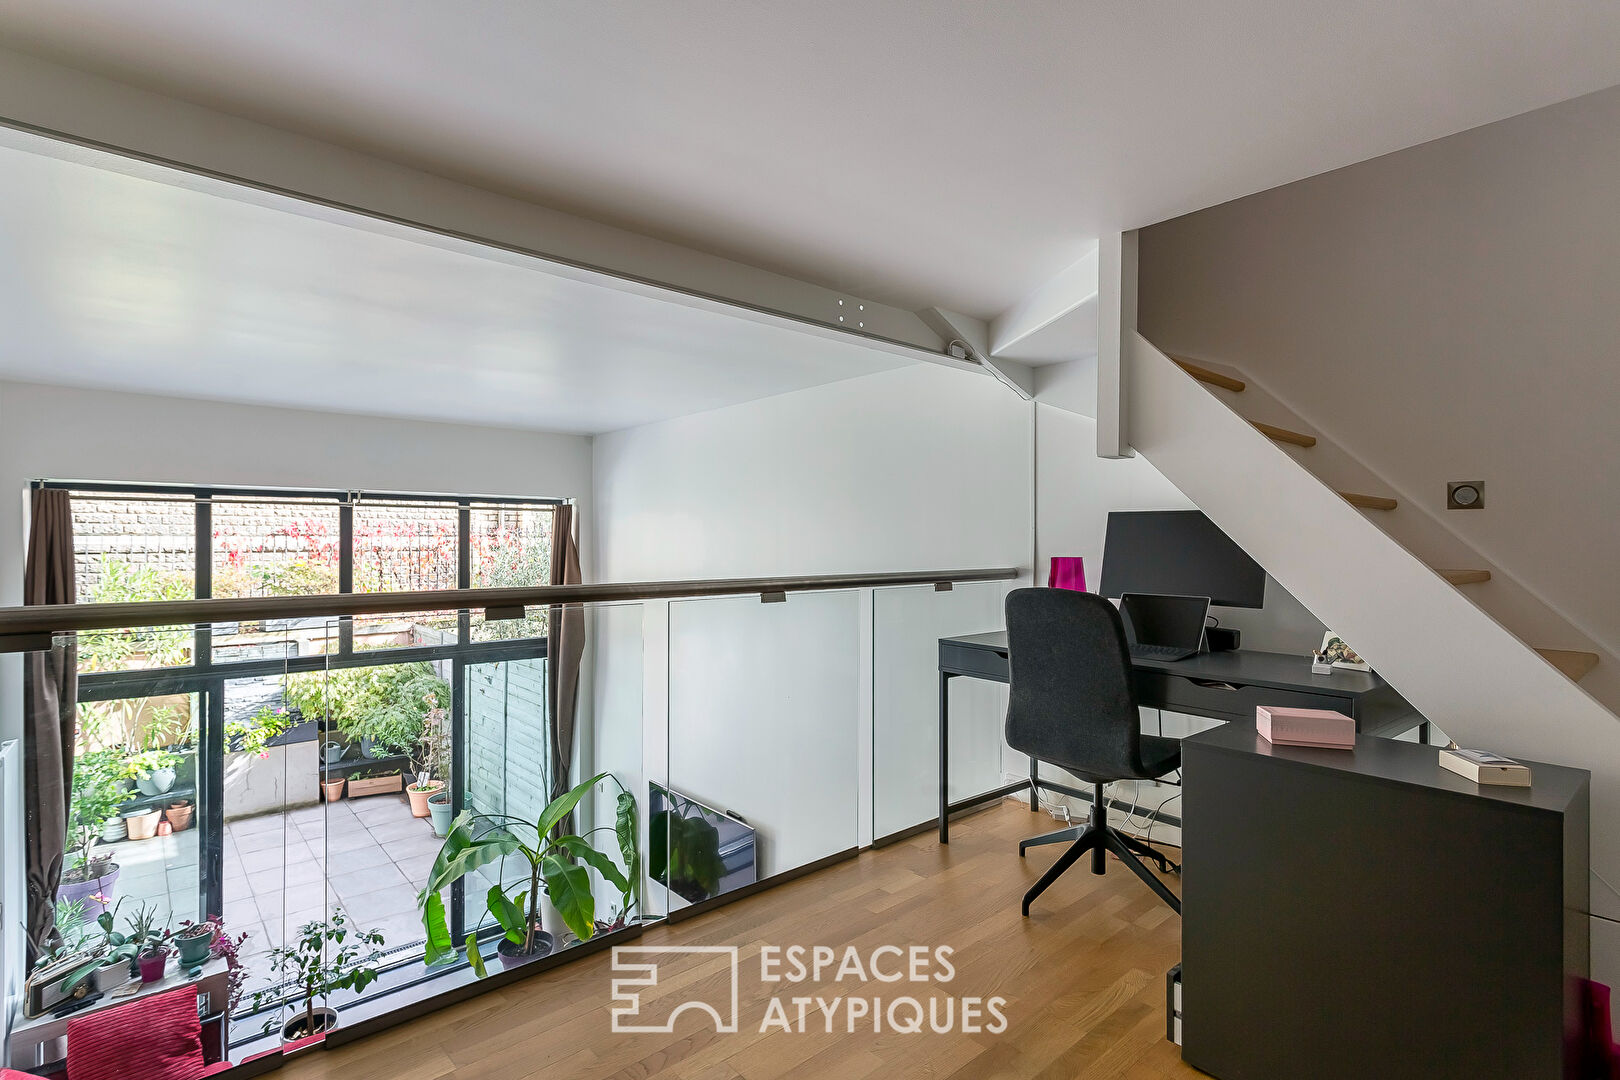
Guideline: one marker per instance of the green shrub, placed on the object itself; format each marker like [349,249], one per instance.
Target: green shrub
[388,704]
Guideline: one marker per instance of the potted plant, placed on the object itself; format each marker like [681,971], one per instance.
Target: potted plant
[94,800]
[253,735]
[552,866]
[153,770]
[431,761]
[218,944]
[324,958]
[149,939]
[332,788]
[378,780]
[383,708]
[194,942]
[440,810]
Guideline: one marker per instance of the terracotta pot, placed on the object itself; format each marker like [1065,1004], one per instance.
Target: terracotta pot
[419,797]
[142,826]
[333,789]
[179,816]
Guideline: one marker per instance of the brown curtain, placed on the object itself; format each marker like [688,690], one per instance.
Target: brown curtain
[565,648]
[50,716]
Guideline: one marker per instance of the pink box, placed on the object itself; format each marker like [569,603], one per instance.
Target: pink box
[1306,727]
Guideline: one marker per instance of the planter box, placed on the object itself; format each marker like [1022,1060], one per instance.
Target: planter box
[375,785]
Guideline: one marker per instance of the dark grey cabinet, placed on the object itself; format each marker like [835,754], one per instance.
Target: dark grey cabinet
[1369,914]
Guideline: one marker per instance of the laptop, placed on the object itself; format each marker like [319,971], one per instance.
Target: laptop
[1164,627]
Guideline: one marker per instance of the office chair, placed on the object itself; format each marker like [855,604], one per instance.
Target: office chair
[1071,704]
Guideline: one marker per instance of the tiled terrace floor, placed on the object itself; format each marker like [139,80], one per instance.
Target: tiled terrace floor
[368,857]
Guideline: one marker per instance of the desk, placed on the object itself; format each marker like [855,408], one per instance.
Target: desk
[1221,686]
[1366,913]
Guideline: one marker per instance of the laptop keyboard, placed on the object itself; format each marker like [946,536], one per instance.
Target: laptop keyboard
[1159,652]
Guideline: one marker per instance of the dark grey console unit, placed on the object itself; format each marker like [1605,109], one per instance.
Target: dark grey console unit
[1365,913]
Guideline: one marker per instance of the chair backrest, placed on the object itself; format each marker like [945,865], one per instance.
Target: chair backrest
[1070,701]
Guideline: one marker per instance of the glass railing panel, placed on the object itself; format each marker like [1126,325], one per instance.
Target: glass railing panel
[763,740]
[538,721]
[907,623]
[142,866]
[135,787]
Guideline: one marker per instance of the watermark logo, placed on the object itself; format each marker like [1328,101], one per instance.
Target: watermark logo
[807,989]
[638,961]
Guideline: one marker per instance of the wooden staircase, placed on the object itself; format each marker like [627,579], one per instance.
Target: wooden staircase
[1573,664]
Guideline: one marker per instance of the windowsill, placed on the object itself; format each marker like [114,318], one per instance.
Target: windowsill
[409,990]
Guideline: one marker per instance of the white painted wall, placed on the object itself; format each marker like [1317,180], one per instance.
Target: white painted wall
[59,433]
[1076,489]
[1443,313]
[918,468]
[768,707]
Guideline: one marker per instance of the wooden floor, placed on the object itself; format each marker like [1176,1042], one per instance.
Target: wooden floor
[1083,980]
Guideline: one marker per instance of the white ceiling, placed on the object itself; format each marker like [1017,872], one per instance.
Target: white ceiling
[116,280]
[953,153]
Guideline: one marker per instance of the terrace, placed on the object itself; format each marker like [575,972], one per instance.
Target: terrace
[366,857]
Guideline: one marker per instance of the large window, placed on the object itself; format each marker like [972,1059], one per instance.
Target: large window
[364,699]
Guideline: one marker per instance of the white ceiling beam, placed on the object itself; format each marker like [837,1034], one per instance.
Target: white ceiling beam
[1065,292]
[146,129]
[974,334]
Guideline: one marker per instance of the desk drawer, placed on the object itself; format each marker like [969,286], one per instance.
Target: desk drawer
[1158,690]
[971,660]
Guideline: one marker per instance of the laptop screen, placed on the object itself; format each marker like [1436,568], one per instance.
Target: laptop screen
[1176,621]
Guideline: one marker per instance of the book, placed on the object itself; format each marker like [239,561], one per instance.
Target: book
[1483,767]
[1323,728]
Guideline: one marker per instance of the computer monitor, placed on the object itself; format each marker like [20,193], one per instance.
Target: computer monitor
[1173,621]
[1181,553]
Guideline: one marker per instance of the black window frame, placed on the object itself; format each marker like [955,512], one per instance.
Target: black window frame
[206,677]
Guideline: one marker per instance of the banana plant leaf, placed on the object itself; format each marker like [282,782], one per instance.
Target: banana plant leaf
[569,887]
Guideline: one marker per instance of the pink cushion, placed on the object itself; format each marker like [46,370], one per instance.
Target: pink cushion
[13,1074]
[155,1038]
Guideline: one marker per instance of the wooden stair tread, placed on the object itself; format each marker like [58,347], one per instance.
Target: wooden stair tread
[1465,577]
[1573,664]
[1297,438]
[1368,502]
[1204,374]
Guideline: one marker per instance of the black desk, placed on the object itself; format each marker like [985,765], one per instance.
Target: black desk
[1366,913]
[1221,686]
